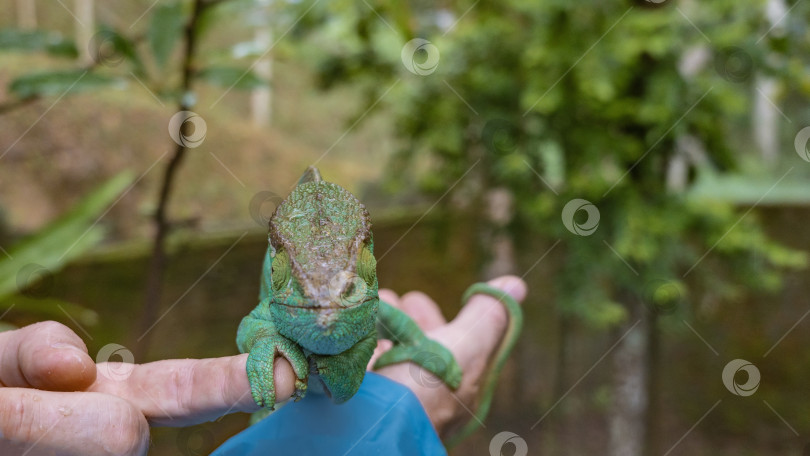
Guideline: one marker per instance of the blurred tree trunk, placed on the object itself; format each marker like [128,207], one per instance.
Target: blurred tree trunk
[26,14]
[765,115]
[561,425]
[499,249]
[628,416]
[85,24]
[766,118]
[499,243]
[261,98]
[653,386]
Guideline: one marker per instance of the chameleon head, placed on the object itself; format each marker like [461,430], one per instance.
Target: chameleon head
[324,281]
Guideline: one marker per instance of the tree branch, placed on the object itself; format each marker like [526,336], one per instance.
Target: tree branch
[157,261]
[9,106]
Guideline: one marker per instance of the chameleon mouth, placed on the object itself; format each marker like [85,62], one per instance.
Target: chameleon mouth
[315,305]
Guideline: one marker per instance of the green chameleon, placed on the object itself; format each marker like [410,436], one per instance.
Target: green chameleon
[319,308]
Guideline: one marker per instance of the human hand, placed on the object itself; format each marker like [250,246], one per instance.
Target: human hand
[473,337]
[55,400]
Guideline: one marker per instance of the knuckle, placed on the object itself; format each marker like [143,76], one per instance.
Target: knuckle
[31,419]
[18,420]
[414,295]
[182,387]
[129,435]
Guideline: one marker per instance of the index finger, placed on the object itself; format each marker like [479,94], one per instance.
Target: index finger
[182,392]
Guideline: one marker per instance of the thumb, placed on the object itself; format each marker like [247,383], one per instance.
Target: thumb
[46,355]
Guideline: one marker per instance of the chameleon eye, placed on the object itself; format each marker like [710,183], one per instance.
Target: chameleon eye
[367,265]
[281,270]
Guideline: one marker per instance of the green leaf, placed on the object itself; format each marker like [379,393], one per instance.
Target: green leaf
[110,47]
[36,41]
[164,30]
[605,314]
[238,78]
[51,248]
[61,82]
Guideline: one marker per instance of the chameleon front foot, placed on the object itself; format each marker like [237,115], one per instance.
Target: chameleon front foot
[411,345]
[427,354]
[260,369]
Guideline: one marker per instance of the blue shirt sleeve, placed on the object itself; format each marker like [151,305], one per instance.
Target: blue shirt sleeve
[383,418]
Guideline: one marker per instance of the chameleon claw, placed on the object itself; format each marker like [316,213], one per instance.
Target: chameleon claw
[260,366]
[300,389]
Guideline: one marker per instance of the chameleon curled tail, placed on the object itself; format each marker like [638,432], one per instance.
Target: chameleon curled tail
[507,343]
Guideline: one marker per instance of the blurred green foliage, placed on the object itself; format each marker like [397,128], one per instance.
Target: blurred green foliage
[119,55]
[164,31]
[550,100]
[556,101]
[37,41]
[26,270]
[59,82]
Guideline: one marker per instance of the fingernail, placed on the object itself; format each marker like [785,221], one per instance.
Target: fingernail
[514,287]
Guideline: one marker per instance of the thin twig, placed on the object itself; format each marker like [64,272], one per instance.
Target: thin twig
[157,261]
[11,105]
